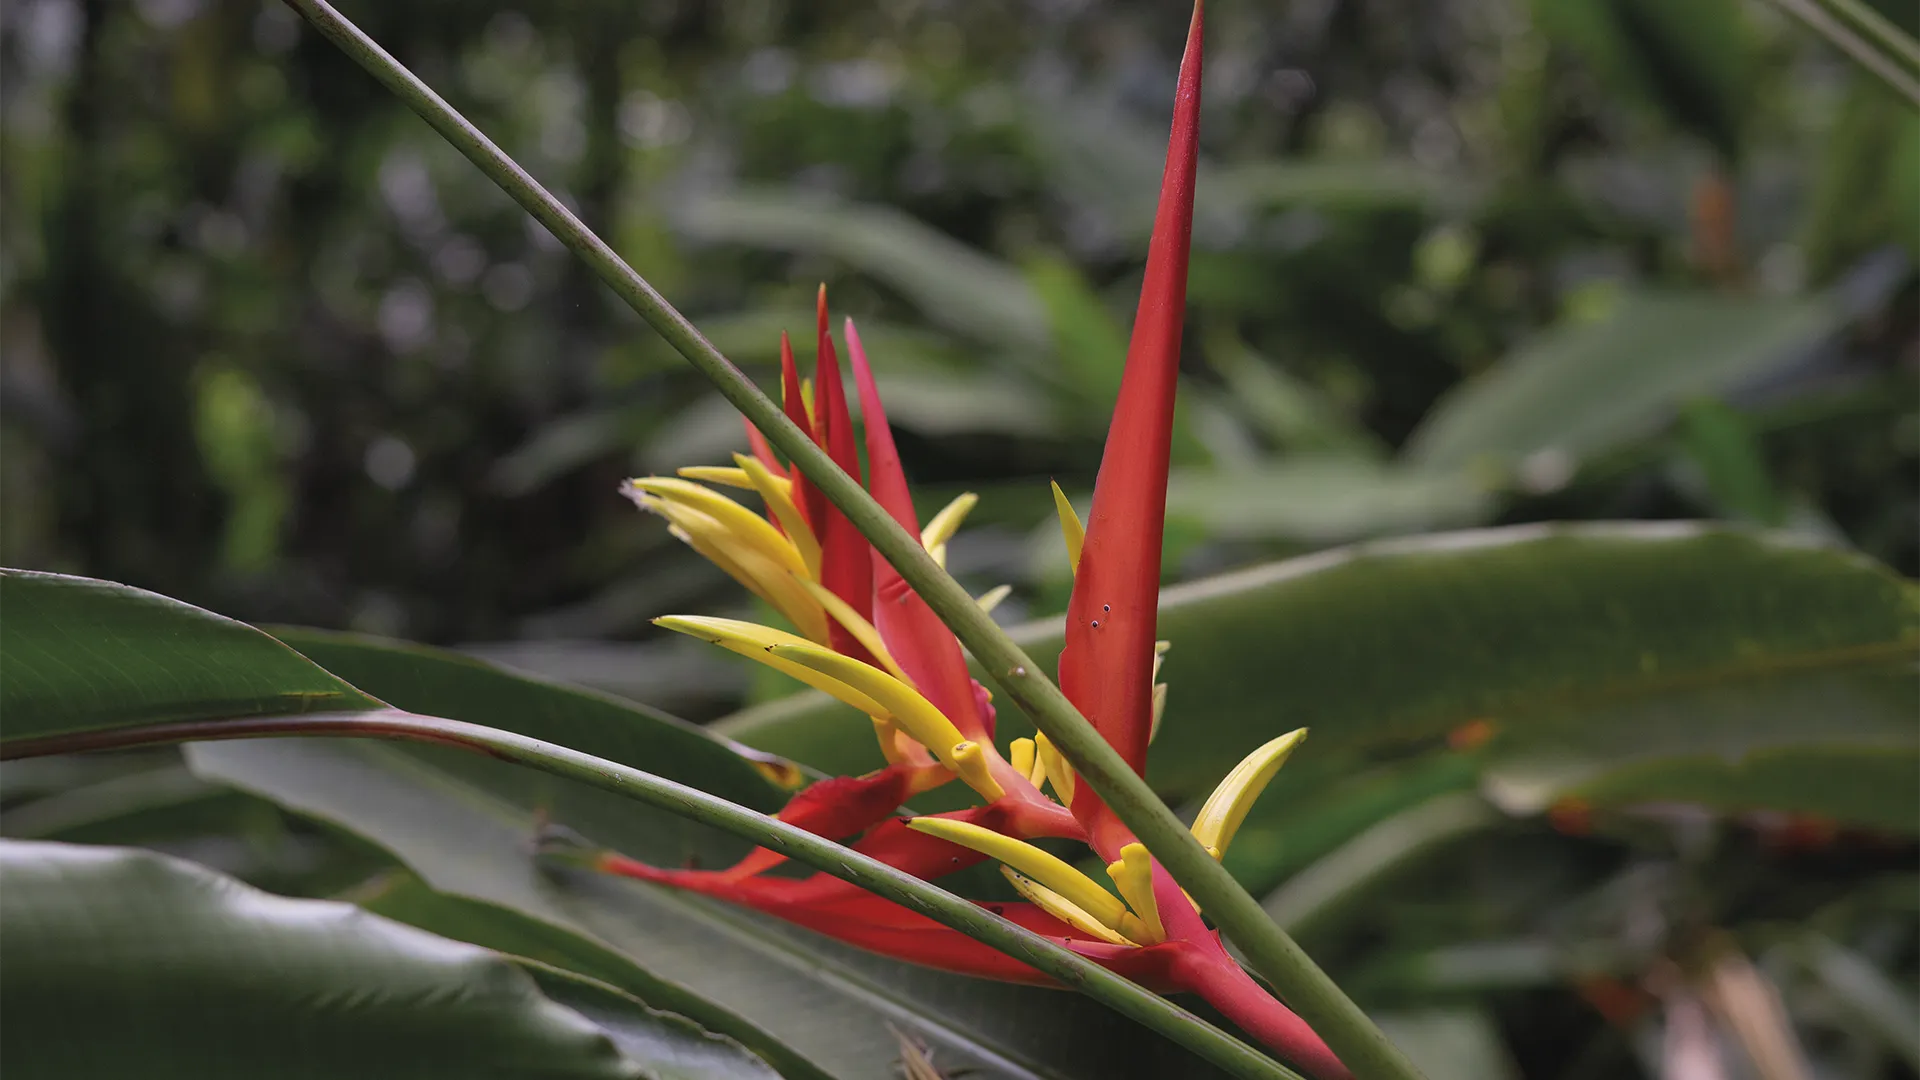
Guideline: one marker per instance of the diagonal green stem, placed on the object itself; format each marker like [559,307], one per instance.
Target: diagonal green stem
[1863,52]
[1270,951]
[767,831]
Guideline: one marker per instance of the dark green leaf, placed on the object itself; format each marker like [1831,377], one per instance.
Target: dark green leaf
[127,963]
[668,1047]
[1865,996]
[83,655]
[1584,388]
[435,682]
[467,834]
[1325,500]
[1547,631]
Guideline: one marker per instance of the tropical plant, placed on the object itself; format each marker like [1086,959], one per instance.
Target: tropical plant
[513,877]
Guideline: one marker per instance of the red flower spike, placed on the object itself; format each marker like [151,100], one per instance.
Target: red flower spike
[1107,664]
[811,503]
[925,649]
[837,808]
[846,559]
[1142,925]
[762,450]
[867,921]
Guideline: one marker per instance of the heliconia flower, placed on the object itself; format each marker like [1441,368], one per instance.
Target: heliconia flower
[858,632]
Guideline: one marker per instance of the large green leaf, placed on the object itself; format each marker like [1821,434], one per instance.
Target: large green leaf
[464,822]
[126,963]
[1871,783]
[1697,639]
[1325,500]
[1586,387]
[78,654]
[436,682]
[465,830]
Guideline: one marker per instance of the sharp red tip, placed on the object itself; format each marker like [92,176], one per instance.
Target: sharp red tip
[1107,664]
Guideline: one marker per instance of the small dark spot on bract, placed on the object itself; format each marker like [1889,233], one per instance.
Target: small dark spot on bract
[1096,622]
[1106,607]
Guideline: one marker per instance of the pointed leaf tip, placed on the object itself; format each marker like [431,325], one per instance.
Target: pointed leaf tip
[1106,668]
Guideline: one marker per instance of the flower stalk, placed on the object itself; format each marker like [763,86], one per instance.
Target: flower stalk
[1184,863]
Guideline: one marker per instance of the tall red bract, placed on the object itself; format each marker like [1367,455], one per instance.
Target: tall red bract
[860,633]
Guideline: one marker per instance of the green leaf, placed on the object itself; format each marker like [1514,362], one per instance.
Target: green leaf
[1864,996]
[138,808]
[1547,631]
[747,977]
[1325,500]
[1331,886]
[1583,388]
[1723,445]
[1100,158]
[1452,1044]
[669,1047]
[464,821]
[123,962]
[1302,818]
[83,655]
[953,285]
[1691,62]
[436,682]
[1865,178]
[1848,776]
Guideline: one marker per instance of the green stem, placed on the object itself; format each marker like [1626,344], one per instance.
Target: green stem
[1346,1029]
[1876,26]
[1071,969]
[1862,52]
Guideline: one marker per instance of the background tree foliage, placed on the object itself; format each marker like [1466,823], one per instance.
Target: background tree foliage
[267,345]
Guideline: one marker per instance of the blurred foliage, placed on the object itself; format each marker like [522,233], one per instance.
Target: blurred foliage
[268,346]
[272,347]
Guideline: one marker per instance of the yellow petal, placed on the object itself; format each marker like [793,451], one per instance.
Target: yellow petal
[775,492]
[974,766]
[776,583]
[1133,875]
[991,598]
[1020,756]
[1069,526]
[711,540]
[947,521]
[1059,773]
[1227,807]
[717,474]
[915,714]
[753,530]
[1060,907]
[752,640]
[861,629]
[894,744]
[1075,887]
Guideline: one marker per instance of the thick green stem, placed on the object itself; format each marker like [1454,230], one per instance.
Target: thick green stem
[1346,1029]
[1863,52]
[765,830]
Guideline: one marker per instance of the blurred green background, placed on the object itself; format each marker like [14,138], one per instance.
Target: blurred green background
[272,348]
[269,346]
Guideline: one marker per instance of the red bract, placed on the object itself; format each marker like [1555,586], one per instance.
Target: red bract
[863,635]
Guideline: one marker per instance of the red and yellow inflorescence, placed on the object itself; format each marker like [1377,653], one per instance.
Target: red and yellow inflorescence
[862,635]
